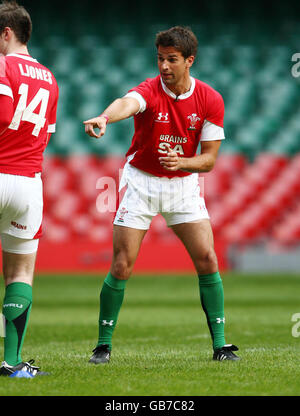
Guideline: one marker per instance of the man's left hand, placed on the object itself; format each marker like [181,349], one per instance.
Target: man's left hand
[171,162]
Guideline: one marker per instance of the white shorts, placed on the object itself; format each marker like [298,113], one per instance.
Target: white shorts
[21,208]
[178,199]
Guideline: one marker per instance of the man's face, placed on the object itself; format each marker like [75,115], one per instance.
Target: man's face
[172,65]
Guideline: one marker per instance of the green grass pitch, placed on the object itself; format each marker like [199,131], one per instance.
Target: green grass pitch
[161,345]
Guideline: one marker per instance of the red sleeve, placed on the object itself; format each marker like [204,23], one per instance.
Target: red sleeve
[146,91]
[6,112]
[5,86]
[215,108]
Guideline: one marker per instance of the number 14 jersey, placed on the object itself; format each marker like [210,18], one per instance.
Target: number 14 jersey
[34,91]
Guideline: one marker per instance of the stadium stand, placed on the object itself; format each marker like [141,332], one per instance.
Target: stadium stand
[253,192]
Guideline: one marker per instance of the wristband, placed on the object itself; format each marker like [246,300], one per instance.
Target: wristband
[105,116]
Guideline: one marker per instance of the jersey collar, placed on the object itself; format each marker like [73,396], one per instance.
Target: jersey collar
[19,55]
[182,96]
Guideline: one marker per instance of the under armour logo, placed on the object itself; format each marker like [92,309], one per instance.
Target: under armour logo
[110,323]
[220,320]
[163,116]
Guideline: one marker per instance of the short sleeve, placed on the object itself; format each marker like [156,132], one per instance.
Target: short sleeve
[145,90]
[5,86]
[211,132]
[139,98]
[215,108]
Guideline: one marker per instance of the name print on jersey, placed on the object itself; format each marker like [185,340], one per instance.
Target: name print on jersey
[35,73]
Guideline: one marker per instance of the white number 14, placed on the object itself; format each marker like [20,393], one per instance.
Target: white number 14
[25,112]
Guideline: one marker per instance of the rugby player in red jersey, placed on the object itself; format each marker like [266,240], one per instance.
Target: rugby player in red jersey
[172,114]
[28,103]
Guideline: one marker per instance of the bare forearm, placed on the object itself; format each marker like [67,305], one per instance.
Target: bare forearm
[200,163]
[119,110]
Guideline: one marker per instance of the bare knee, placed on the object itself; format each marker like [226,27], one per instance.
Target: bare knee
[207,262]
[121,268]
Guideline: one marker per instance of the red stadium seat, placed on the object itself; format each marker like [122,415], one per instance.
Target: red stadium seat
[230,163]
[65,206]
[257,178]
[271,205]
[56,182]
[240,195]
[100,233]
[100,218]
[270,162]
[287,233]
[219,216]
[111,165]
[246,202]
[56,232]
[291,178]
[87,183]
[295,163]
[50,163]
[78,163]
[253,217]
[284,193]
[235,234]
[212,185]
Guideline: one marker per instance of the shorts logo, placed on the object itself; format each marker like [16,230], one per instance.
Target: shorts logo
[193,121]
[122,213]
[163,118]
[19,226]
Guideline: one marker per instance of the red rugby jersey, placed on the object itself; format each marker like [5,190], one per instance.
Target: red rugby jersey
[34,91]
[178,122]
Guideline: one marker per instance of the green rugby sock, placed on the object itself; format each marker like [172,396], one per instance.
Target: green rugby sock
[212,300]
[111,299]
[16,310]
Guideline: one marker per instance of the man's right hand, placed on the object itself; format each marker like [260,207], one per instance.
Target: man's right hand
[95,123]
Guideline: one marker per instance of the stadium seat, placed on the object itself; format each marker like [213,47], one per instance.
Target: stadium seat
[99,233]
[65,205]
[76,164]
[79,224]
[55,232]
[55,181]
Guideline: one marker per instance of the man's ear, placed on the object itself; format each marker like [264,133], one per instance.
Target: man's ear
[190,60]
[7,33]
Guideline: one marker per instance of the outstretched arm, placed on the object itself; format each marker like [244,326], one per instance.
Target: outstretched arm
[199,163]
[118,110]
